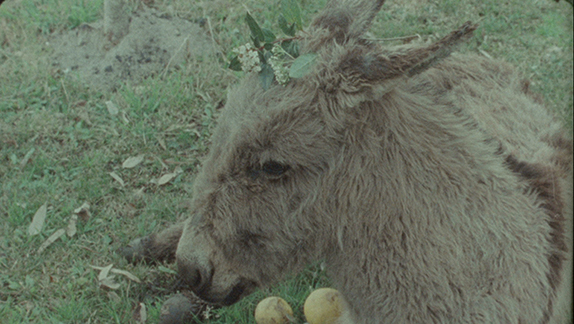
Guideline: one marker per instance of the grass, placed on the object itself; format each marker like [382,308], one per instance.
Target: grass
[58,143]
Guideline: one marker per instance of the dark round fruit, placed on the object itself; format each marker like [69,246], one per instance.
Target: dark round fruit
[179,309]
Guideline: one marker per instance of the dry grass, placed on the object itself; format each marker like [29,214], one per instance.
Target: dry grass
[58,143]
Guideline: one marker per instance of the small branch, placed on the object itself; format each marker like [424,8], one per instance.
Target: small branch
[116,21]
[281,40]
[406,39]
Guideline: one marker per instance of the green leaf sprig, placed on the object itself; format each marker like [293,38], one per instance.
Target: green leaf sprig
[274,58]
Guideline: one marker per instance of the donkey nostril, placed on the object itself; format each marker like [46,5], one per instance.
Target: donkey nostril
[188,273]
[195,279]
[193,276]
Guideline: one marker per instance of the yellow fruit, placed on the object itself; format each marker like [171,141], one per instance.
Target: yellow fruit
[273,310]
[323,306]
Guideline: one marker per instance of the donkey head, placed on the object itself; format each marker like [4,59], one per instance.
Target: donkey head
[266,200]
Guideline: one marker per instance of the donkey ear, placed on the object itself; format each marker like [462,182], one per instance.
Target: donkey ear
[367,66]
[346,19]
[364,71]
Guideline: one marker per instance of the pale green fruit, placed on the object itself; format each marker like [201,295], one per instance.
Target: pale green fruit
[323,306]
[273,310]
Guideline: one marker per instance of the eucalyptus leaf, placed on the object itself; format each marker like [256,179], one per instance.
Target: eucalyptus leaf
[256,42]
[256,31]
[269,36]
[268,46]
[262,57]
[292,12]
[291,47]
[133,161]
[38,221]
[283,24]
[266,76]
[287,29]
[292,29]
[302,65]
[235,64]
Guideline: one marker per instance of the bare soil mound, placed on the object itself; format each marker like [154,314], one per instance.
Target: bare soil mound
[152,44]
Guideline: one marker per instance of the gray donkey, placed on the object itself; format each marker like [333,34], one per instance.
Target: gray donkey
[436,187]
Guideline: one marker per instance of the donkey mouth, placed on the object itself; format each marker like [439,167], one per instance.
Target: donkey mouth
[240,290]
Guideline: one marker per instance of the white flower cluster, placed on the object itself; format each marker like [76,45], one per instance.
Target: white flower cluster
[248,57]
[279,69]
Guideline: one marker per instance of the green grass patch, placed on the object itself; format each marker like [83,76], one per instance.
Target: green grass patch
[59,144]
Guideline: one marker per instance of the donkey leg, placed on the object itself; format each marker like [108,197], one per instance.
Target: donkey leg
[156,247]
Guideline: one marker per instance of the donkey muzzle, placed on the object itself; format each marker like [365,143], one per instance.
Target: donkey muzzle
[197,278]
[201,281]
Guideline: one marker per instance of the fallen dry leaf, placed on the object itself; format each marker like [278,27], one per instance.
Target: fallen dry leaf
[163,165]
[104,279]
[485,54]
[133,161]
[140,313]
[38,221]
[125,273]
[71,229]
[138,194]
[111,269]
[104,271]
[109,283]
[117,178]
[55,236]
[27,158]
[83,211]
[125,118]
[161,142]
[114,297]
[112,108]
[166,178]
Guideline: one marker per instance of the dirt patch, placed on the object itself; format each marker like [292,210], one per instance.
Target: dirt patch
[152,44]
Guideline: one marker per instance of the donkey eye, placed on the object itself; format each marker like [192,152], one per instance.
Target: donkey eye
[274,168]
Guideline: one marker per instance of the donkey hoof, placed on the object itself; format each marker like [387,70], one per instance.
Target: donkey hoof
[135,250]
[180,308]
